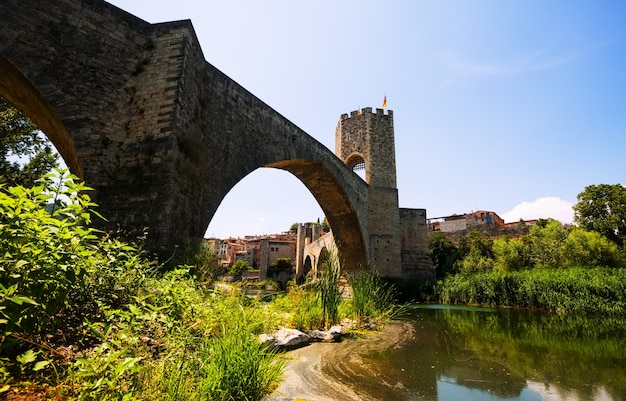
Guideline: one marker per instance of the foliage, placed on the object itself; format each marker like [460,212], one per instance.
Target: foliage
[238,268]
[511,254]
[45,255]
[324,225]
[591,249]
[280,265]
[574,290]
[303,307]
[19,138]
[328,289]
[372,297]
[546,242]
[443,253]
[203,259]
[552,267]
[228,364]
[476,251]
[602,208]
[95,319]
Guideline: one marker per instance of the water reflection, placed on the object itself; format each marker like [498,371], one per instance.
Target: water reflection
[488,354]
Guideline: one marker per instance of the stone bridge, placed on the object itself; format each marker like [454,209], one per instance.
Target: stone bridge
[161,135]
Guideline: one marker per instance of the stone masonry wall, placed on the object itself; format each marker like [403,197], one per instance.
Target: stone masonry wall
[370,135]
[160,134]
[416,261]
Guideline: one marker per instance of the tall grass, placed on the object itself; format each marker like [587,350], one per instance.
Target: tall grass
[229,365]
[94,319]
[371,296]
[574,290]
[328,289]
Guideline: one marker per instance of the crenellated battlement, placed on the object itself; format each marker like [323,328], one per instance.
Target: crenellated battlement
[367,111]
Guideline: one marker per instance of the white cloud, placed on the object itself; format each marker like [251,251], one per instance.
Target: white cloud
[542,208]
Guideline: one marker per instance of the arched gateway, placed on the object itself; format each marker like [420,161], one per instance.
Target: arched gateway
[162,136]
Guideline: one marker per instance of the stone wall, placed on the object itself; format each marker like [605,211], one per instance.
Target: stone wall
[371,136]
[416,261]
[453,225]
[492,230]
[160,134]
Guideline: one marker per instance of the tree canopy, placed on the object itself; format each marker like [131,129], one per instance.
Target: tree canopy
[602,208]
[26,154]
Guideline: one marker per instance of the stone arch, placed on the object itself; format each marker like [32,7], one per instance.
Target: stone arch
[322,258]
[357,163]
[329,189]
[20,92]
[159,133]
[308,266]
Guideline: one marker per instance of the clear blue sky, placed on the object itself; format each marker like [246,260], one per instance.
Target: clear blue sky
[510,106]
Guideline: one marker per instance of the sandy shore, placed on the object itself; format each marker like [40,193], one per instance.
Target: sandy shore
[327,371]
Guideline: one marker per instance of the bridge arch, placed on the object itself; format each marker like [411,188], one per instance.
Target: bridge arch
[22,94]
[162,135]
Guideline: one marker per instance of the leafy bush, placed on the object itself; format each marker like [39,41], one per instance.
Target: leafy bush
[443,253]
[591,249]
[125,327]
[202,259]
[238,268]
[511,254]
[46,253]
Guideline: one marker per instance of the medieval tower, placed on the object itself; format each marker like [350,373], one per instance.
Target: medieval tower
[398,238]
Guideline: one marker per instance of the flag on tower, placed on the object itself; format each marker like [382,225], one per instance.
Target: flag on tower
[385,101]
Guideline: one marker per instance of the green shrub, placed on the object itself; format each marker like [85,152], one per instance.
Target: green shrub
[45,254]
[130,327]
[202,259]
[238,268]
[591,249]
[511,254]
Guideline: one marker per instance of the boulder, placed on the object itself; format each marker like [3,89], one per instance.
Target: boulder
[331,335]
[285,339]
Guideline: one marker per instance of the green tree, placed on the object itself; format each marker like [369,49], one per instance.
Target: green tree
[511,254]
[443,253]
[547,240]
[476,252]
[591,249]
[602,208]
[238,268]
[20,140]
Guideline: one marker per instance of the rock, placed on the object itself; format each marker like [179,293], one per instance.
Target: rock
[331,335]
[285,339]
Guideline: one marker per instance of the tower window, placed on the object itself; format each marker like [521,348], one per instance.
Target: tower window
[356,163]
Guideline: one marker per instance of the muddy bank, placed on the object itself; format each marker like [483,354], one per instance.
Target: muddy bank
[341,371]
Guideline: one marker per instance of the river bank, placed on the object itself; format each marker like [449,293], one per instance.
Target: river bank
[325,371]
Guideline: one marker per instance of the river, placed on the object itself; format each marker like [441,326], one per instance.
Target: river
[461,353]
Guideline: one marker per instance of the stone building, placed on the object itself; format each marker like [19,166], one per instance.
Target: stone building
[488,222]
[475,220]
